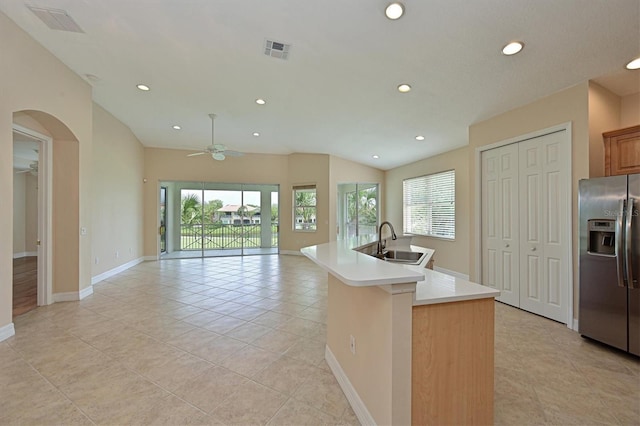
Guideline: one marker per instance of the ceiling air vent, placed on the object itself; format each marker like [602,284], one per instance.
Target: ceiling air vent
[56,19]
[276,49]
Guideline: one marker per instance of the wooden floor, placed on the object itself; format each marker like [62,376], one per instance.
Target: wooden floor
[25,285]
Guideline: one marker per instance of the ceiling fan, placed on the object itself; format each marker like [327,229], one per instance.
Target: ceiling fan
[33,169]
[218,151]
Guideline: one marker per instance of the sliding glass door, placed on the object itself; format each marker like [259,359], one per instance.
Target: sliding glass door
[221,219]
[163,219]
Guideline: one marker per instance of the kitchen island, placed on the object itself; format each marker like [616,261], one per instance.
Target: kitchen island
[408,345]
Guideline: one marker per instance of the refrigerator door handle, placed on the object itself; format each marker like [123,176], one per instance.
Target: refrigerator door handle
[627,242]
[619,245]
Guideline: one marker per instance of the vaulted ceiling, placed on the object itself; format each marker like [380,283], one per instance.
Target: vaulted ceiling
[336,93]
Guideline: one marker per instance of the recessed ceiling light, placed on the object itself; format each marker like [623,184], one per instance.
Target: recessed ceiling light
[512,48]
[419,138]
[376,156]
[260,101]
[394,10]
[633,65]
[404,88]
[176,127]
[143,87]
[256,134]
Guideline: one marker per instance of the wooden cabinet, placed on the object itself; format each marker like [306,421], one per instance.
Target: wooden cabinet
[622,151]
[452,363]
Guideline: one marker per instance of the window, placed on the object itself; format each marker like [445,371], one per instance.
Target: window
[429,205]
[304,208]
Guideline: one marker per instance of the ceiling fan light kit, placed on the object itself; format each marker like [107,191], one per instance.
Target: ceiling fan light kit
[32,170]
[217,151]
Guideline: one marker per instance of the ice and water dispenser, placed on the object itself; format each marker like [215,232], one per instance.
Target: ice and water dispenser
[602,237]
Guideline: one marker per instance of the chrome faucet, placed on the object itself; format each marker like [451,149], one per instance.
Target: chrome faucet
[381,246]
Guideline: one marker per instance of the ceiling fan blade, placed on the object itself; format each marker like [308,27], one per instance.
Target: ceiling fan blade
[233,153]
[197,153]
[23,171]
[218,156]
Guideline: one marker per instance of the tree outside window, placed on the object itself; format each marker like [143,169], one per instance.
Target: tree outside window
[304,208]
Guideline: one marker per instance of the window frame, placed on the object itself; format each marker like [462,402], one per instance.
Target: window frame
[410,228]
[312,226]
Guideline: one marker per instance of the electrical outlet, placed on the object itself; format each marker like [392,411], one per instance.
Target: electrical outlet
[117,254]
[352,344]
[97,260]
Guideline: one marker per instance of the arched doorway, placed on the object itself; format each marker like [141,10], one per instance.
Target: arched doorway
[58,228]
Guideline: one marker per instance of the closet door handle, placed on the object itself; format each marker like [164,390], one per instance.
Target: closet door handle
[533,249]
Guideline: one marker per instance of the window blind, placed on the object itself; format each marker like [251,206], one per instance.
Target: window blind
[429,205]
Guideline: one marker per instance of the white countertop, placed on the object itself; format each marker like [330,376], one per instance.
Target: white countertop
[361,270]
[358,269]
[438,287]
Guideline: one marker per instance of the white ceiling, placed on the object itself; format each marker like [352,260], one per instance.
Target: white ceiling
[336,93]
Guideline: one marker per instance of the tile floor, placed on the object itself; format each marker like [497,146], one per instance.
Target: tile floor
[548,374]
[241,341]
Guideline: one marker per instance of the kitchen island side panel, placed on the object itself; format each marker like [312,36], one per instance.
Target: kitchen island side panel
[380,368]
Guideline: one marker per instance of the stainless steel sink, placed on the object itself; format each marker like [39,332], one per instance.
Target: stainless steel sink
[398,256]
[412,257]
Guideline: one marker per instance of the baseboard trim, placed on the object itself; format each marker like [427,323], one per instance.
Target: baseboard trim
[70,296]
[575,325]
[291,252]
[450,272]
[85,292]
[7,331]
[25,254]
[116,270]
[359,408]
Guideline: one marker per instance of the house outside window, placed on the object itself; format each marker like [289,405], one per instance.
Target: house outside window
[304,208]
[429,205]
[233,214]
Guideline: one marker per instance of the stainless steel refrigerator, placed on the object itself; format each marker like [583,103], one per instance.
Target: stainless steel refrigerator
[609,308]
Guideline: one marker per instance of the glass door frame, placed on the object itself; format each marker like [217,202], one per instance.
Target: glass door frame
[343,192]
[237,221]
[163,219]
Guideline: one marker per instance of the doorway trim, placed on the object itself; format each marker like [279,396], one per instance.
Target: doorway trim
[45,220]
[566,127]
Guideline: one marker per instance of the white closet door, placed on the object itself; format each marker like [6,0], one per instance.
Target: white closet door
[543,255]
[500,222]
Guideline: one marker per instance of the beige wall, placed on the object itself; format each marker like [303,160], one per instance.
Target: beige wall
[284,170]
[117,210]
[65,212]
[449,255]
[604,114]
[31,213]
[33,79]
[570,105]
[630,115]
[306,169]
[174,165]
[345,171]
[19,212]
